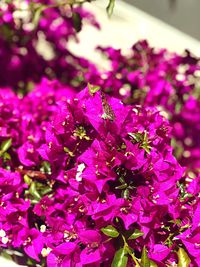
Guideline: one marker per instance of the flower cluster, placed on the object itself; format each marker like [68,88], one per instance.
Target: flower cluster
[86,179]
[146,76]
[100,175]
[166,80]
[34,43]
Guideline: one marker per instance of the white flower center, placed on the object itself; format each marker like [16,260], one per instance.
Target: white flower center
[80,169]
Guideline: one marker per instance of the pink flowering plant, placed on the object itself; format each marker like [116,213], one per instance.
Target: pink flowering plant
[166,80]
[24,26]
[97,168]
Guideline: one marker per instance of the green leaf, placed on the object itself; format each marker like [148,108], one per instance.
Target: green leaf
[93,88]
[146,147]
[33,191]
[37,14]
[123,186]
[141,138]
[46,190]
[5,145]
[178,107]
[183,259]
[110,7]
[153,264]
[110,231]
[120,258]
[6,255]
[6,156]
[178,148]
[66,150]
[121,180]
[31,262]
[77,21]
[45,167]
[27,179]
[137,233]
[183,193]
[137,136]
[145,261]
[126,193]
[6,32]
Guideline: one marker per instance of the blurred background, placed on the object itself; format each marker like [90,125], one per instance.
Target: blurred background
[170,24]
[182,14]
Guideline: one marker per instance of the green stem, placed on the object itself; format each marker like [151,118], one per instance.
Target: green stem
[107,240]
[130,252]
